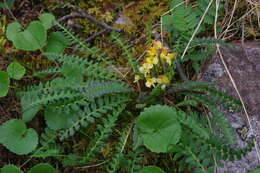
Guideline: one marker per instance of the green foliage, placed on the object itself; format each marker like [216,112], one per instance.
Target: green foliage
[17,138]
[103,132]
[155,125]
[10,169]
[47,20]
[114,164]
[42,168]
[4,83]
[39,168]
[181,24]
[194,143]
[115,37]
[257,170]
[7,4]
[84,98]
[15,70]
[56,43]
[92,110]
[34,37]
[151,169]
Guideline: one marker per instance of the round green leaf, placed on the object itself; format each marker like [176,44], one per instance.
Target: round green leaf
[257,170]
[42,168]
[10,169]
[151,169]
[4,83]
[56,43]
[47,20]
[17,138]
[159,128]
[33,38]
[13,29]
[16,70]
[57,120]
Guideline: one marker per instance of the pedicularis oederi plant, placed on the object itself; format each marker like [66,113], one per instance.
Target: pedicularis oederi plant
[147,111]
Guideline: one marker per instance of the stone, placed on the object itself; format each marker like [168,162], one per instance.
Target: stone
[244,65]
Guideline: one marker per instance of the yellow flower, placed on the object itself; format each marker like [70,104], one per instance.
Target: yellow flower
[145,68]
[148,65]
[169,57]
[137,78]
[152,60]
[157,44]
[152,51]
[163,79]
[150,82]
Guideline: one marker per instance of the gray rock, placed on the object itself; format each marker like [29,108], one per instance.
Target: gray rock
[244,66]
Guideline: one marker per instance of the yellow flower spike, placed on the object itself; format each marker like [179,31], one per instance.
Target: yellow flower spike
[169,57]
[152,51]
[145,69]
[163,79]
[157,44]
[137,78]
[148,66]
[152,60]
[150,82]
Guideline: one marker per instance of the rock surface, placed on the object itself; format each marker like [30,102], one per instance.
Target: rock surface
[244,66]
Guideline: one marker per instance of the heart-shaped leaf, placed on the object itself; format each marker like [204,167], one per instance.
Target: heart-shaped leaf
[10,169]
[4,83]
[159,128]
[47,20]
[32,38]
[151,169]
[16,70]
[17,138]
[42,168]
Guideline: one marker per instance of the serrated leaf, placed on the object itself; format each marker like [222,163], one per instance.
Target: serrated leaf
[10,169]
[17,138]
[159,128]
[47,20]
[15,70]
[151,169]
[4,83]
[42,168]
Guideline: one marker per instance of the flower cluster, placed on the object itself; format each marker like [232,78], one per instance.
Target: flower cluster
[156,61]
